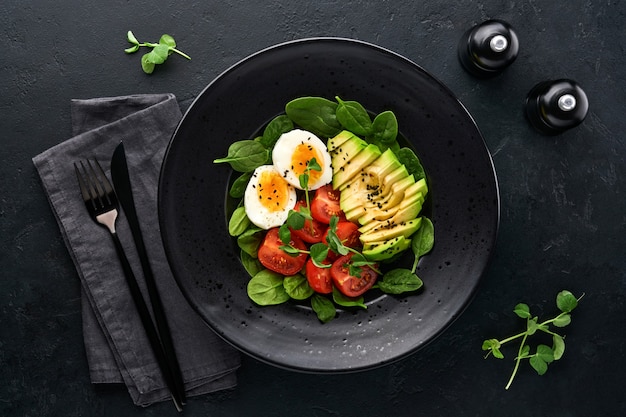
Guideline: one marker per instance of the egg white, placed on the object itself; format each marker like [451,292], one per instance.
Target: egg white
[283,153]
[266,213]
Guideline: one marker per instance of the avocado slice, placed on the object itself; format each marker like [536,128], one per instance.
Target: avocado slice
[345,152]
[391,231]
[379,251]
[338,140]
[354,165]
[368,180]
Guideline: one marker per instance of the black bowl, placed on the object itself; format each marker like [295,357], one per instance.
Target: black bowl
[464,204]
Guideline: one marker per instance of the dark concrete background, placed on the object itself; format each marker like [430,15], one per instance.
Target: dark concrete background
[562,221]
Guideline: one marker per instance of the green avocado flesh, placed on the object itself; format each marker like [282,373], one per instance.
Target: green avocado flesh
[378,193]
[381,250]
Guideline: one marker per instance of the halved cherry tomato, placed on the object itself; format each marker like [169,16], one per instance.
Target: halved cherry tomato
[313,231]
[350,285]
[348,233]
[319,278]
[274,258]
[325,204]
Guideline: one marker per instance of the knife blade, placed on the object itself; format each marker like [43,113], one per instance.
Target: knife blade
[122,184]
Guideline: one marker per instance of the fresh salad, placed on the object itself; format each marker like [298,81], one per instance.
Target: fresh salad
[328,200]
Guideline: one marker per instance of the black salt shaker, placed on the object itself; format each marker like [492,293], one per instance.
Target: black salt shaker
[488,48]
[552,107]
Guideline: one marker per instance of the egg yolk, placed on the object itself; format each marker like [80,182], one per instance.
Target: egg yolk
[301,156]
[272,191]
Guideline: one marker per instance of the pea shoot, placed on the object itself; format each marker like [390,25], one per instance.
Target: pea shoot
[544,355]
[159,54]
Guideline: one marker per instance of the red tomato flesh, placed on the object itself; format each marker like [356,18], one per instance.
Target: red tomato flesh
[350,285]
[325,204]
[319,278]
[313,230]
[275,259]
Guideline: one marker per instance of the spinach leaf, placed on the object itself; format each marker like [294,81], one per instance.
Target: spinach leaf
[246,155]
[346,301]
[384,128]
[323,307]
[423,240]
[275,128]
[250,240]
[353,117]
[239,222]
[407,157]
[266,288]
[238,189]
[398,281]
[298,287]
[251,265]
[315,114]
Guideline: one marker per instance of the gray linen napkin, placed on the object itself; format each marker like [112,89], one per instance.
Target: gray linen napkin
[116,344]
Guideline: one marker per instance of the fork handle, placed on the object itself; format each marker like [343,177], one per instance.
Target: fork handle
[146,320]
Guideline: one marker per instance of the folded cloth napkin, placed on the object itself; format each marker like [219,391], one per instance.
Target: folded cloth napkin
[116,345]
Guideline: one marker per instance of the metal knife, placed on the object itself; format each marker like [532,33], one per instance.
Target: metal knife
[123,188]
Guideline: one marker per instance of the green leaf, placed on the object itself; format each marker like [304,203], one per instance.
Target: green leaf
[132,49]
[319,253]
[407,157]
[284,234]
[167,40]
[398,281]
[493,347]
[532,326]
[489,344]
[323,307]
[295,220]
[522,310]
[275,128]
[566,302]
[538,365]
[562,320]
[266,288]
[159,54]
[423,240]
[238,189]
[239,222]
[131,38]
[313,165]
[146,64]
[304,181]
[545,353]
[345,301]
[525,350]
[252,265]
[353,117]
[298,287]
[384,128]
[290,250]
[315,114]
[245,155]
[558,346]
[250,240]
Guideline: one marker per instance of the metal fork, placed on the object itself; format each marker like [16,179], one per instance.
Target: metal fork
[102,205]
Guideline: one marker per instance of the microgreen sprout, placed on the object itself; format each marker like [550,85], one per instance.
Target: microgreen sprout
[544,355]
[159,54]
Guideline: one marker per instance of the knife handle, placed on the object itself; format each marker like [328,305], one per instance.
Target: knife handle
[148,325]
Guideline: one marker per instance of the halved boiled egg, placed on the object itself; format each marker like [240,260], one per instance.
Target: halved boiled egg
[293,151]
[268,198]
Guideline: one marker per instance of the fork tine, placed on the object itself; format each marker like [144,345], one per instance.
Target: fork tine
[96,184]
[81,182]
[108,189]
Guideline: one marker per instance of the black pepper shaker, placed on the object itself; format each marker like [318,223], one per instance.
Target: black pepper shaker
[552,107]
[488,48]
